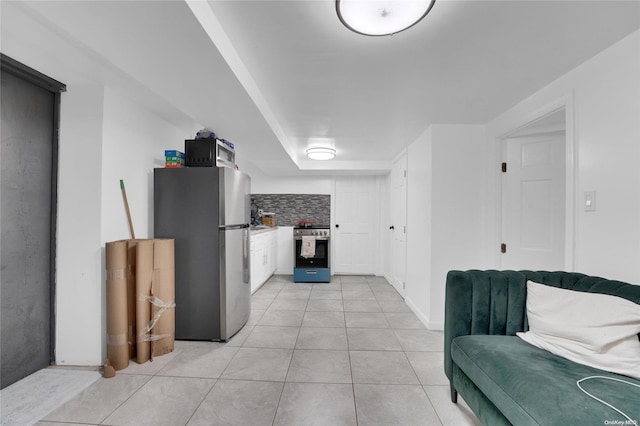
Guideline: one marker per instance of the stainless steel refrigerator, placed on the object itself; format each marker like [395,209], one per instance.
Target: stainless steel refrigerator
[207,211]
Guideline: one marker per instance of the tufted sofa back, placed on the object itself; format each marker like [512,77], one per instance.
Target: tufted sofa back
[494,302]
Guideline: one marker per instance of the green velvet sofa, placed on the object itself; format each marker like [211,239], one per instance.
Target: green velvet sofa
[505,380]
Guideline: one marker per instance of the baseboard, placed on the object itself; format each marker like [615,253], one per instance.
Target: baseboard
[436,326]
[431,325]
[421,316]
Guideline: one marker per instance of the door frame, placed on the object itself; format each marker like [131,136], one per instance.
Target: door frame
[400,287]
[565,103]
[20,70]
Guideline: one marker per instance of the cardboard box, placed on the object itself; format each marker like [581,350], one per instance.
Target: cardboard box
[163,289]
[140,300]
[131,297]
[155,298]
[170,165]
[174,160]
[117,323]
[173,153]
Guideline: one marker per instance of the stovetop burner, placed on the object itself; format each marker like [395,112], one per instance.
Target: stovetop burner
[310,225]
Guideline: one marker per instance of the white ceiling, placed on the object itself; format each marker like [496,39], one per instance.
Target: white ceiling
[273,76]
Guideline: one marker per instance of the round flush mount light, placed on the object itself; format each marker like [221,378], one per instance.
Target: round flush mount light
[381,17]
[321,153]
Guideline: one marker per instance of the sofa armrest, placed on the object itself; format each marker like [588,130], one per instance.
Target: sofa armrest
[482,302]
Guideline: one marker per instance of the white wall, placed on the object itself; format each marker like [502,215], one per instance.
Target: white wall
[134,143]
[445,213]
[265,184]
[457,207]
[104,137]
[80,335]
[419,225]
[604,97]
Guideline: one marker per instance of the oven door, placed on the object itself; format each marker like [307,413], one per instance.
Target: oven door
[321,258]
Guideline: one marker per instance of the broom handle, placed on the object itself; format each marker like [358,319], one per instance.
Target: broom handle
[126,206]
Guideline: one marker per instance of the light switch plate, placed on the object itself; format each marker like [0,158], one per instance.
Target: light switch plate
[589,201]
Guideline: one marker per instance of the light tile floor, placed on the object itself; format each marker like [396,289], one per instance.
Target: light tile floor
[345,353]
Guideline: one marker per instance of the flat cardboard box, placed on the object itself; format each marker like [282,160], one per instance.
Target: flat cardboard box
[164,290]
[131,296]
[117,323]
[155,301]
[140,300]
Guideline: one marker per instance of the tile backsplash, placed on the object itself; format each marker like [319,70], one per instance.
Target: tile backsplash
[290,209]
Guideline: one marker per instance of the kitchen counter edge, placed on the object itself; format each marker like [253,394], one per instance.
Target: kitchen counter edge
[254,231]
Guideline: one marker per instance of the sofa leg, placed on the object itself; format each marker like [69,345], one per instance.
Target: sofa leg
[454,394]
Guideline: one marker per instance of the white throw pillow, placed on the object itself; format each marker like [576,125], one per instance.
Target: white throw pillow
[593,329]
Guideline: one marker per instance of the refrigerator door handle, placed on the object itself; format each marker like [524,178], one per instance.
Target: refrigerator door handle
[233,227]
[246,268]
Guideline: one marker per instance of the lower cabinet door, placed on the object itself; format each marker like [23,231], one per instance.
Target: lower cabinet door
[263,258]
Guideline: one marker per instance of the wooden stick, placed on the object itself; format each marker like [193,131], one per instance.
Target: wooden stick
[126,206]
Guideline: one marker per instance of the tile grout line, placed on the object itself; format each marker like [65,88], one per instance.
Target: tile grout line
[353,384]
[275,414]
[203,399]
[432,406]
[129,397]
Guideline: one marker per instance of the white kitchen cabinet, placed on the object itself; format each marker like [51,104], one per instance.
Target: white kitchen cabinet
[263,257]
[272,259]
[257,259]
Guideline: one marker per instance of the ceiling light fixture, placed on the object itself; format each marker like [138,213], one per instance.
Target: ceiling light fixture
[381,17]
[321,153]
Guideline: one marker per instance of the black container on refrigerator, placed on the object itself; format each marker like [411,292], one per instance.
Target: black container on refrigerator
[209,153]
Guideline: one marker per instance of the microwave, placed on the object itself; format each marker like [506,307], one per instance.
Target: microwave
[209,153]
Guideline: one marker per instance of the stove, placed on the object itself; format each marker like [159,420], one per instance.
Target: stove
[311,254]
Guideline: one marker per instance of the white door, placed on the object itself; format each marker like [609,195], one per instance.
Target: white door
[353,234]
[398,226]
[534,202]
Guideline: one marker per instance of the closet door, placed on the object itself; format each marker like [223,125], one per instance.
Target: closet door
[28,146]
[354,233]
[534,202]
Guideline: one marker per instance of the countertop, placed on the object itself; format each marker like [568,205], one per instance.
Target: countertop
[260,230]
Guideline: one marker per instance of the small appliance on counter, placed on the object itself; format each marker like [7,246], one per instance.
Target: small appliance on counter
[269,219]
[311,253]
